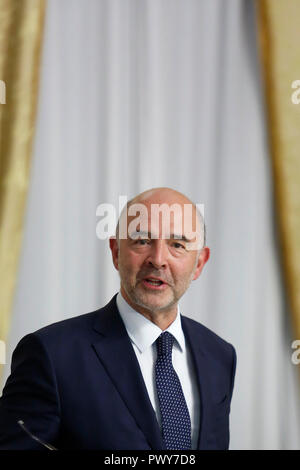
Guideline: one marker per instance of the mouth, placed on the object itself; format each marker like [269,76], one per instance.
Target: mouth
[154,283]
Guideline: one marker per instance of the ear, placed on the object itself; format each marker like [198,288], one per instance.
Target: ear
[203,258]
[113,244]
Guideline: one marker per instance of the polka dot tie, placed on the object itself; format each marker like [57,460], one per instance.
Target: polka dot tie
[176,423]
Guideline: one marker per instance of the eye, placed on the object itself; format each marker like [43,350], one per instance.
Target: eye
[178,245]
[142,241]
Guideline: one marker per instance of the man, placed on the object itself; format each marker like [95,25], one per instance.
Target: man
[135,374]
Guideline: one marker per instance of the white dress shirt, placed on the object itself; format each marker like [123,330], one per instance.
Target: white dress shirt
[143,334]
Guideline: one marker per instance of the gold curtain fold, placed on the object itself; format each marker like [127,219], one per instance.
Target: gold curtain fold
[21,28]
[279,39]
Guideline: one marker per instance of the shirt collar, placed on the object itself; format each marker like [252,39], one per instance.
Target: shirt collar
[142,331]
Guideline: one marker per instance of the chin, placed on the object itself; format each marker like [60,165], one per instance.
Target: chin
[154,305]
[151,301]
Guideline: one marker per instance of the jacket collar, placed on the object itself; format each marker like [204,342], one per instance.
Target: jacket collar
[115,352]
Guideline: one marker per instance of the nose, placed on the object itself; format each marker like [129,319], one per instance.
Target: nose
[158,254]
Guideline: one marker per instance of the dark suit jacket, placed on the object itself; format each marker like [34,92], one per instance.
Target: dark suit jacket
[77,384]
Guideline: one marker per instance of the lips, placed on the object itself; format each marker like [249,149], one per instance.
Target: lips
[154,283]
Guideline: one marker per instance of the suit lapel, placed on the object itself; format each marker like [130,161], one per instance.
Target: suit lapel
[201,363]
[116,353]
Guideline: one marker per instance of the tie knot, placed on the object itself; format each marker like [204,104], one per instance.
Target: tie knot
[164,344]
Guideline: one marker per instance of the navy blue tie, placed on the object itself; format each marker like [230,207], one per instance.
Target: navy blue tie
[175,418]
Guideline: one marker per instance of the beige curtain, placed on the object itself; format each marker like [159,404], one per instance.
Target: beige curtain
[21,27]
[279,34]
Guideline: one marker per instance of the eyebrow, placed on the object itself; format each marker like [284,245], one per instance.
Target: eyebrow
[173,236]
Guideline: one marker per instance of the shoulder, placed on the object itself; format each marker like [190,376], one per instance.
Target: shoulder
[209,342]
[72,334]
[69,326]
[60,337]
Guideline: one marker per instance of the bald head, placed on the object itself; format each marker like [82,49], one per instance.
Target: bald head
[162,195]
[164,200]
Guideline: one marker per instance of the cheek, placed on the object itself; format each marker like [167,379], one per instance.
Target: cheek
[130,262]
[183,271]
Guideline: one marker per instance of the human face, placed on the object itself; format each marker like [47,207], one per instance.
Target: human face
[156,270]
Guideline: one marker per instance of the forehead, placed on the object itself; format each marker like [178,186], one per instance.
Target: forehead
[161,218]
